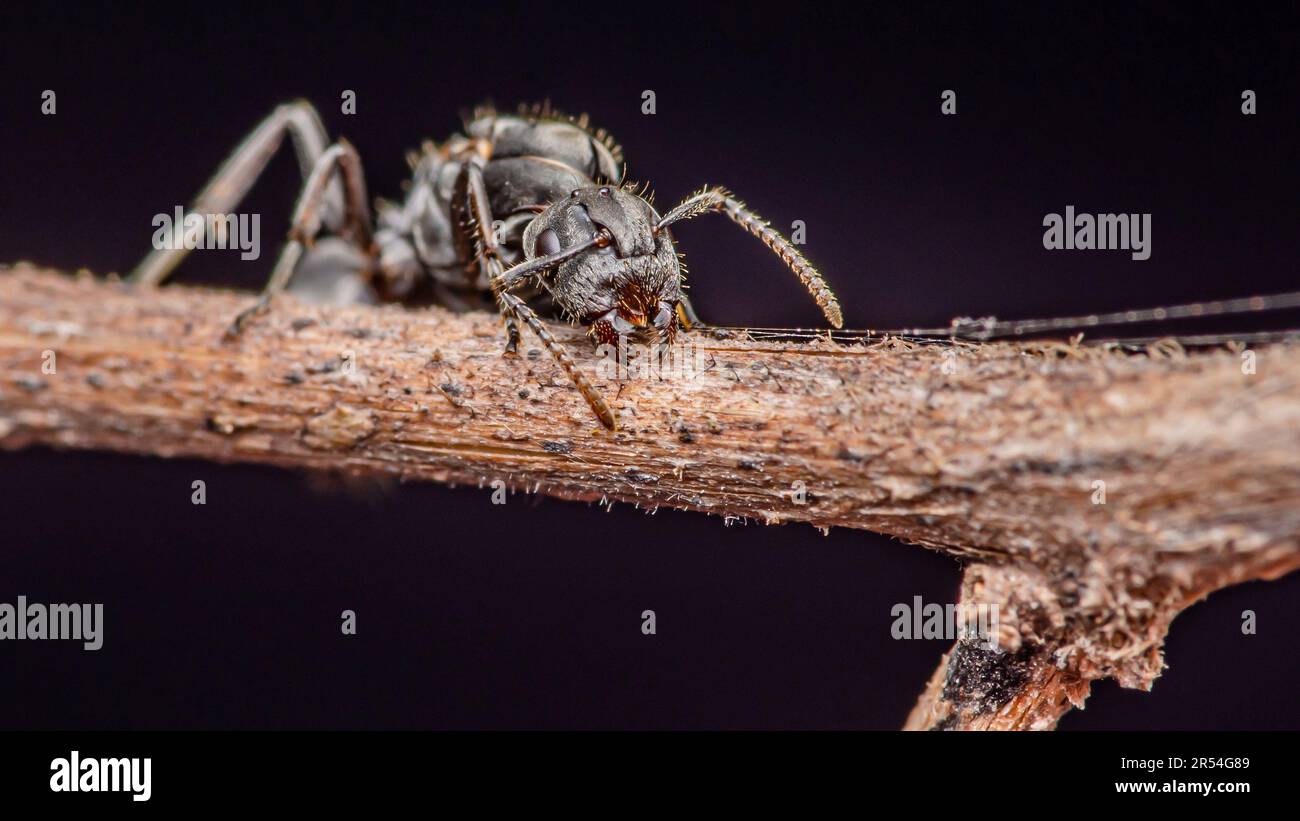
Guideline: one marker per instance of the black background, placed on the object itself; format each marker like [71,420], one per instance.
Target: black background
[528,615]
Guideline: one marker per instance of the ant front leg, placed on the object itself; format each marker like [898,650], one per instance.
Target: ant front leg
[719,199]
[307,219]
[487,250]
[520,310]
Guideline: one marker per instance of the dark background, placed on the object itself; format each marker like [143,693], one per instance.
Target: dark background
[528,615]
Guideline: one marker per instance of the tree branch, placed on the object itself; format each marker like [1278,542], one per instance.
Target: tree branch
[991,453]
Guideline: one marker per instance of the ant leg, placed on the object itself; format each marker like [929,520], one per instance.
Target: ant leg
[307,219]
[487,251]
[241,170]
[520,310]
[502,285]
[719,199]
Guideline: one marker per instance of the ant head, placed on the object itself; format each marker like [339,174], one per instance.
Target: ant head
[629,282]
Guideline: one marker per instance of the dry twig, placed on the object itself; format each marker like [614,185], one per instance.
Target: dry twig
[990,453]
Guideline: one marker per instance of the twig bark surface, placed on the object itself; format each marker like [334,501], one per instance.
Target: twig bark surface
[999,454]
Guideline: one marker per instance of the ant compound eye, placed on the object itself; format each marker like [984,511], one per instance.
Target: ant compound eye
[547,243]
[604,192]
[574,193]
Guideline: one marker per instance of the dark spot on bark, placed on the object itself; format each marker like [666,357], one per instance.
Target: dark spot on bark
[293,378]
[299,324]
[946,723]
[31,383]
[853,456]
[449,388]
[534,353]
[746,464]
[358,333]
[981,680]
[678,427]
[1068,589]
[95,380]
[557,447]
[523,393]
[1038,466]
